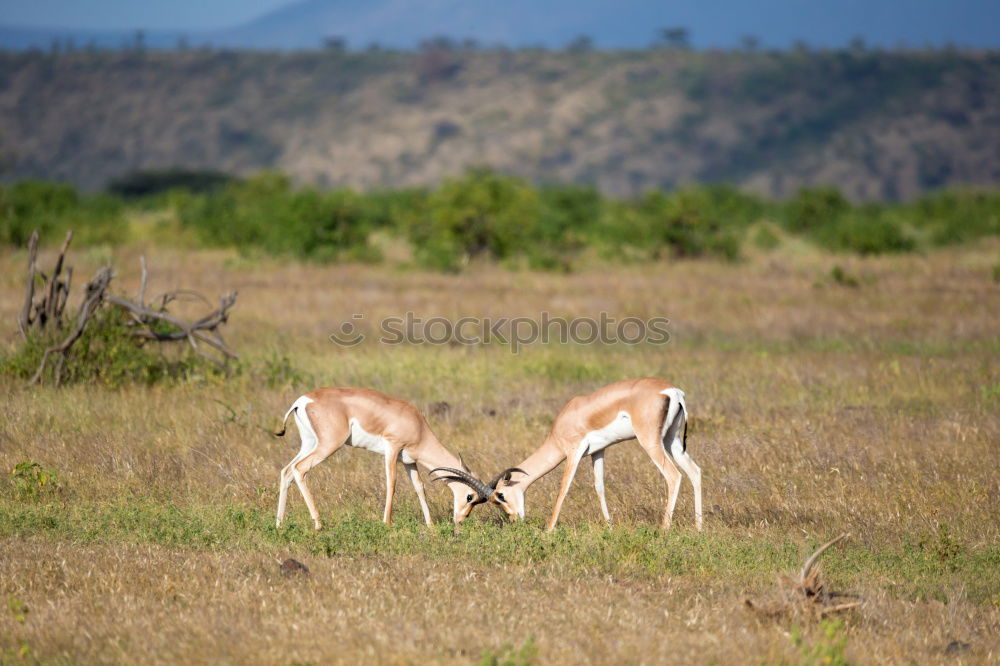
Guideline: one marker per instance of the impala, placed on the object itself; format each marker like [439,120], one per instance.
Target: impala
[329,418]
[649,410]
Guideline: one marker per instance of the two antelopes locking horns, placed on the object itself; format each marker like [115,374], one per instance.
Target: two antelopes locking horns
[649,410]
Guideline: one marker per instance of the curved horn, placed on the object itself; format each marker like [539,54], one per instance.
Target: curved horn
[464,477]
[505,475]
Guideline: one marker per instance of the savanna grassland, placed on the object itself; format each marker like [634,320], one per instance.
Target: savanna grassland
[864,400]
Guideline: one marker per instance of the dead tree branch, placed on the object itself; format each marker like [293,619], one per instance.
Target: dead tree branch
[202,330]
[93,298]
[24,319]
[149,322]
[55,290]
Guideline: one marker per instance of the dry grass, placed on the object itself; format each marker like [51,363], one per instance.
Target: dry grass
[817,409]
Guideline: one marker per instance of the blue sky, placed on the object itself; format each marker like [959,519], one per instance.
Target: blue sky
[712,22]
[132,14]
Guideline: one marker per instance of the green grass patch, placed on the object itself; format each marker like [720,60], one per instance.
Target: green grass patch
[923,568]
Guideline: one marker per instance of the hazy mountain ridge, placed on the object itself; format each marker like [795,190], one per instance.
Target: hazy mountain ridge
[879,125]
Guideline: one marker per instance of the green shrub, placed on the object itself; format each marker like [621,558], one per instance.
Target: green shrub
[279,372]
[956,216]
[568,217]
[688,223]
[865,230]
[486,214]
[54,208]
[265,212]
[31,205]
[31,480]
[482,213]
[814,209]
[107,353]
[765,238]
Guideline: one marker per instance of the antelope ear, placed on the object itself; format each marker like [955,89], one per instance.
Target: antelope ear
[510,472]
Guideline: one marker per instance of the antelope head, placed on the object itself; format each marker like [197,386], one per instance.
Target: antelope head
[482,492]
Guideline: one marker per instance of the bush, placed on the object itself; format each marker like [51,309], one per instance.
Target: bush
[865,231]
[765,238]
[957,216]
[568,218]
[813,209]
[107,353]
[266,213]
[481,214]
[54,208]
[31,205]
[486,214]
[31,480]
[688,223]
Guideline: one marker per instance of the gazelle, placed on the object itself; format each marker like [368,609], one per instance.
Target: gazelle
[329,418]
[650,410]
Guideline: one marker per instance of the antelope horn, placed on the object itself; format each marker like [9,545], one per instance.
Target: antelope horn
[811,562]
[505,475]
[466,478]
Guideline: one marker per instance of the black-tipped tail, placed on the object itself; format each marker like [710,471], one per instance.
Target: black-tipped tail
[284,423]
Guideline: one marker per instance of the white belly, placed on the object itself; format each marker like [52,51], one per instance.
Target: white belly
[362,439]
[618,430]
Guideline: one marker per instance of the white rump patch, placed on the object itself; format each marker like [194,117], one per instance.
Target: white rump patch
[670,435]
[306,431]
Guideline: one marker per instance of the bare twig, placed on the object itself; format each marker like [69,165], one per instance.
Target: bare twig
[96,289]
[141,295]
[54,290]
[24,319]
[52,312]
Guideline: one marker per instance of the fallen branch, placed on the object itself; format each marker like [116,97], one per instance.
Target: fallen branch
[203,330]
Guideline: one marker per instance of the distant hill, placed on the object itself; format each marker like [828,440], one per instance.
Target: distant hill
[880,125]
